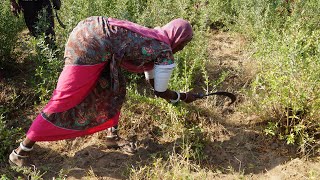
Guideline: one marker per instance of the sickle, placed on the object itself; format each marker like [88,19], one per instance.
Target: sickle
[219,93]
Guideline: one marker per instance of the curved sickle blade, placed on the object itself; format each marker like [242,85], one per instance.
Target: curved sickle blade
[59,21]
[219,93]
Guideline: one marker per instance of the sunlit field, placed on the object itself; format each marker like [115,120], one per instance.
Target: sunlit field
[265,52]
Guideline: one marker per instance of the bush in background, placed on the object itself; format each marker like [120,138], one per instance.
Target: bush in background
[9,27]
[285,41]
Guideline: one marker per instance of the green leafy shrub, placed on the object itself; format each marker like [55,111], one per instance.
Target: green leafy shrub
[9,28]
[48,68]
[286,89]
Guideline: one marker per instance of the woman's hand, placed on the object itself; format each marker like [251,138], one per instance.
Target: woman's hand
[169,95]
[188,97]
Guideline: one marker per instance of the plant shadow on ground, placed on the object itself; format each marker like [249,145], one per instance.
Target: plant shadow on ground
[18,95]
[246,151]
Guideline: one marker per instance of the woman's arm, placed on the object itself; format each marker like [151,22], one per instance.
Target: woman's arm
[159,77]
[168,94]
[172,95]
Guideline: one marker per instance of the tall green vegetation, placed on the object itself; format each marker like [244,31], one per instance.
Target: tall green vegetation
[9,27]
[285,44]
[285,38]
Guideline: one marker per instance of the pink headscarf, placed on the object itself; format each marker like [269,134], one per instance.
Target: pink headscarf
[177,31]
[173,33]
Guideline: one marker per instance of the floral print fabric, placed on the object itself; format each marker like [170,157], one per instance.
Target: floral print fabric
[94,41]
